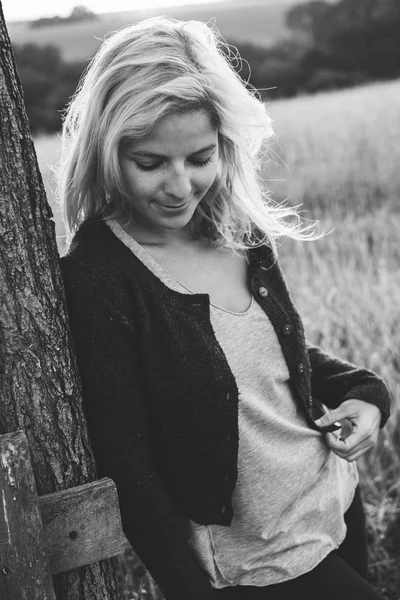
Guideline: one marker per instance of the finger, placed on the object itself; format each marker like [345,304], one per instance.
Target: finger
[343,450]
[347,429]
[345,444]
[337,445]
[360,436]
[359,451]
[351,410]
[346,450]
[355,455]
[347,410]
[331,417]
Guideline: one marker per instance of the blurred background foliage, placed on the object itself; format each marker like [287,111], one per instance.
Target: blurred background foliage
[325,46]
[48,83]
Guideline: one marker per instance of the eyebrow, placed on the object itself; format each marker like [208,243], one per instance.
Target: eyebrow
[155,155]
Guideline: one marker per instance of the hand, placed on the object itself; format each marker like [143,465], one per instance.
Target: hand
[360,426]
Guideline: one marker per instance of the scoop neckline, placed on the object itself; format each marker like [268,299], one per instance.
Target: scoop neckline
[129,241]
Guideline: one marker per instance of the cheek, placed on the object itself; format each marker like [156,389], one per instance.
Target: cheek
[142,183]
[207,177]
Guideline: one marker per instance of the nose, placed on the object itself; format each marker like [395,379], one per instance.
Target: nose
[178,184]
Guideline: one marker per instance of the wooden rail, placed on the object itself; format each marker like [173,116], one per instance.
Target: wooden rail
[46,535]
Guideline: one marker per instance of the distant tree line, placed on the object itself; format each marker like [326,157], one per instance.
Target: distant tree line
[331,46]
[48,83]
[79,13]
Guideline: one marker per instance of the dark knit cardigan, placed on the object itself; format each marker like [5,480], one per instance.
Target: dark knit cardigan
[162,403]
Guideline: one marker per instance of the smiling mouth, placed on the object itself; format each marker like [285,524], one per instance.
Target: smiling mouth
[174,206]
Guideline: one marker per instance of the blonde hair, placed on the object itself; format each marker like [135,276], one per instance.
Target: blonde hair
[142,73]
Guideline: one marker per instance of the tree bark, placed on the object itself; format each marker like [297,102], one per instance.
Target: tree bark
[39,383]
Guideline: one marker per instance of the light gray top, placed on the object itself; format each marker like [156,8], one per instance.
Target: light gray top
[292,491]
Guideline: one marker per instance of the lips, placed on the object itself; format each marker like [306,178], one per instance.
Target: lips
[174,206]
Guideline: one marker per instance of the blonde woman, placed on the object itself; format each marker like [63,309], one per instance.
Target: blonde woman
[204,403]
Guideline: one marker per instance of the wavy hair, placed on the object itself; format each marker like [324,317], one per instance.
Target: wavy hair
[143,73]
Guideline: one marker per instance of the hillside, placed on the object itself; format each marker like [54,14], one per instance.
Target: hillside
[259,22]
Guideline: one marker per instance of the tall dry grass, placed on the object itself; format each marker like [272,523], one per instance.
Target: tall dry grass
[343,150]
[340,159]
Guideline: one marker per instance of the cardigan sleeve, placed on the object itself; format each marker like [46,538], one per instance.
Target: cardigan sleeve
[101,317]
[334,381]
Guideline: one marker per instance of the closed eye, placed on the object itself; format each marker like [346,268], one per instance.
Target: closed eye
[154,166]
[201,163]
[148,167]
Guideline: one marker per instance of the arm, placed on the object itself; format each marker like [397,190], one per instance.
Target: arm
[357,398]
[106,349]
[334,381]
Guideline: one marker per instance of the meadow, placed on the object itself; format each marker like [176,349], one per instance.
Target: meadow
[338,155]
[342,152]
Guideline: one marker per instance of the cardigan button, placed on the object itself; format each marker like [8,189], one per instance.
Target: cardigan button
[287,330]
[263,292]
[223,509]
[300,368]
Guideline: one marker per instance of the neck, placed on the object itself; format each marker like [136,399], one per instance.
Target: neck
[166,238]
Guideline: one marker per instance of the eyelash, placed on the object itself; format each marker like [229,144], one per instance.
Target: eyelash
[198,164]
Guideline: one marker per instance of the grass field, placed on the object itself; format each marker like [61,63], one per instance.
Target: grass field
[343,150]
[260,23]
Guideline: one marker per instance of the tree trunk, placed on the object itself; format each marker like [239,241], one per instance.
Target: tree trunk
[39,383]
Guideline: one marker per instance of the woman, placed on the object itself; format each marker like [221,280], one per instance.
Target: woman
[187,339]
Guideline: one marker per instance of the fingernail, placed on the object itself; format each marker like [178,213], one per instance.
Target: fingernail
[318,422]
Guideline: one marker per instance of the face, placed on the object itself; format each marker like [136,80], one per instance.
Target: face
[168,173]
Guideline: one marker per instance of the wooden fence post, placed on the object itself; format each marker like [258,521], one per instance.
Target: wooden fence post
[24,567]
[42,536]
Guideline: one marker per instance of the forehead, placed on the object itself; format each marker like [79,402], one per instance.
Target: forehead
[186,132]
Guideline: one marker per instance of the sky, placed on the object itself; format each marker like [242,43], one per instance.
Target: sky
[21,10]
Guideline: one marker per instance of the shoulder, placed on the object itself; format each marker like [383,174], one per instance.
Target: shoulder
[99,269]
[96,246]
[97,266]
[97,251]
[263,257]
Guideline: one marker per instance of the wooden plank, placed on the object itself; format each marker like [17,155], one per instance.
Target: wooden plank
[82,525]
[54,533]
[24,569]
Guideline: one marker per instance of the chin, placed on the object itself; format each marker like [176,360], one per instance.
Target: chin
[176,223]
